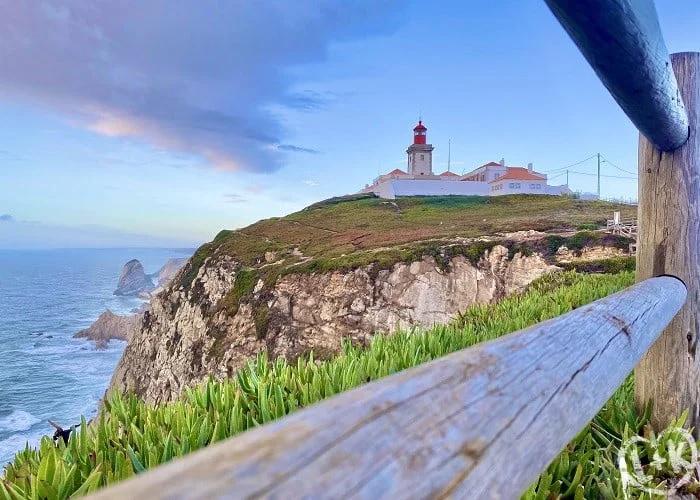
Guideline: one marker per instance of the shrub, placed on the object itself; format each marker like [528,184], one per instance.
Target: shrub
[612,265]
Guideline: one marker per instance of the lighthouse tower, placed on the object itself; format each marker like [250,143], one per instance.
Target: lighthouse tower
[420,154]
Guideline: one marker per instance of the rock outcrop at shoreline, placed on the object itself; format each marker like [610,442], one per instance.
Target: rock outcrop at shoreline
[110,326]
[133,279]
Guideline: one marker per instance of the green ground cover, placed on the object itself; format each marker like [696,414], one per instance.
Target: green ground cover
[132,436]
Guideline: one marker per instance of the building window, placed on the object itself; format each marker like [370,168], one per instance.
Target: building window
[532,186]
[422,157]
[511,185]
[517,185]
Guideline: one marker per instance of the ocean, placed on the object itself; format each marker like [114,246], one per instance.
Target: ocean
[46,296]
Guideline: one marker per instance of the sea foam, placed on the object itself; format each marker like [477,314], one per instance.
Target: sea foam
[17,421]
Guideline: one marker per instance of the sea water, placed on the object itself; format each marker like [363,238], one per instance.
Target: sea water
[46,296]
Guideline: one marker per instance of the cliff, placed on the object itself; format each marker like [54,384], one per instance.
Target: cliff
[346,269]
[169,270]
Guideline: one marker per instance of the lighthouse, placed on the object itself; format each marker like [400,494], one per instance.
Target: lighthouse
[420,154]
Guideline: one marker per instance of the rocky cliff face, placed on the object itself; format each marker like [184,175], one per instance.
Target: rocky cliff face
[166,273]
[187,335]
[133,279]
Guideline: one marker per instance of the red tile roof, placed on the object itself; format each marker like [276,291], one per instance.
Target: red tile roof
[397,171]
[449,174]
[491,164]
[519,174]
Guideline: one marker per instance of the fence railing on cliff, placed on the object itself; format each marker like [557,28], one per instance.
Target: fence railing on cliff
[484,422]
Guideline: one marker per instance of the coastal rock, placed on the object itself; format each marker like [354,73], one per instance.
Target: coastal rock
[110,326]
[166,273]
[187,336]
[133,279]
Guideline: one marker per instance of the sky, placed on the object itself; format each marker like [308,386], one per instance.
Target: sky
[158,123]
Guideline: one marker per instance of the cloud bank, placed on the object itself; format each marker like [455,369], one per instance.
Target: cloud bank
[194,77]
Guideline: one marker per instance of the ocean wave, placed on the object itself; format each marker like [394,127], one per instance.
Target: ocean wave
[18,421]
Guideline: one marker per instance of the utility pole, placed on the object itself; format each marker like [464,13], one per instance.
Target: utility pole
[598,175]
[567,177]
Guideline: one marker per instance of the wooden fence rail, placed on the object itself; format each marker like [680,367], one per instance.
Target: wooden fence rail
[484,422]
[479,423]
[622,41]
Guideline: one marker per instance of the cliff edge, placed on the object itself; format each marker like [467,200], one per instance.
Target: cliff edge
[345,269]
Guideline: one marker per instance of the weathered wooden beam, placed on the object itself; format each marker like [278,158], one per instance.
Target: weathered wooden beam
[480,423]
[622,41]
[669,243]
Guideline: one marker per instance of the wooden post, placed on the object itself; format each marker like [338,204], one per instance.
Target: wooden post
[669,243]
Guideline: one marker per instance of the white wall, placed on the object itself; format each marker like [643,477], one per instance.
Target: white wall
[419,187]
[520,187]
[563,189]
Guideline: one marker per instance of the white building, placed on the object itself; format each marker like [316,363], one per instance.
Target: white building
[491,179]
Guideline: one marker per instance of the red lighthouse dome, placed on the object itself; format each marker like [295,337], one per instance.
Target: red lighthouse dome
[419,136]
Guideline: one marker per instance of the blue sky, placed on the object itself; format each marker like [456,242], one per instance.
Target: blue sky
[149,123]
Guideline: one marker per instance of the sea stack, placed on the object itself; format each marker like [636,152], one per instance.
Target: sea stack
[133,279]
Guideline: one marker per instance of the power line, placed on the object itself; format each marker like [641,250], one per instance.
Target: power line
[596,175]
[555,176]
[619,168]
[569,166]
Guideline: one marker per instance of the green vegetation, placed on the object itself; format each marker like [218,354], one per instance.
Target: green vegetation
[612,265]
[202,254]
[242,289]
[132,436]
[343,226]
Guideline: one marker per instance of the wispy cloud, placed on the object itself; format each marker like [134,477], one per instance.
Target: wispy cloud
[6,218]
[255,188]
[311,183]
[310,100]
[297,149]
[9,156]
[129,69]
[32,234]
[235,198]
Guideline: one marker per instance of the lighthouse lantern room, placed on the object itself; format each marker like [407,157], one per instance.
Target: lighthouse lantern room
[420,154]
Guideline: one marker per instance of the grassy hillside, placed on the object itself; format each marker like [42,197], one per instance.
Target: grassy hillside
[343,225]
[133,436]
[366,224]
